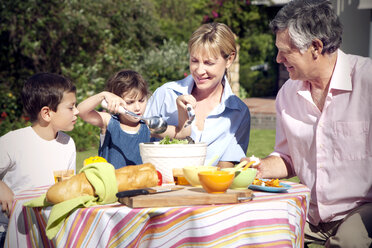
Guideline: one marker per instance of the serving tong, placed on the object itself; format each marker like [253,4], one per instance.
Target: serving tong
[156,124]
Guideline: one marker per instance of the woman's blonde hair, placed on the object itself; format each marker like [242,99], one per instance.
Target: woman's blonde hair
[215,38]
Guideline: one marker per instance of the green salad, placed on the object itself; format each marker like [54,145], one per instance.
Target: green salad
[168,141]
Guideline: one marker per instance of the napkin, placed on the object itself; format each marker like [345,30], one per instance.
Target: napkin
[103,179]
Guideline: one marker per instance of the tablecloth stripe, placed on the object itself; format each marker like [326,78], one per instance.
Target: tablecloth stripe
[128,227]
[250,224]
[91,230]
[246,225]
[41,224]
[84,221]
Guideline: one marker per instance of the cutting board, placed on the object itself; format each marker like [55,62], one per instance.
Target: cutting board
[185,197]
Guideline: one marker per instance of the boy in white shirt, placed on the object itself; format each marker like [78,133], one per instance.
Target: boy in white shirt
[28,156]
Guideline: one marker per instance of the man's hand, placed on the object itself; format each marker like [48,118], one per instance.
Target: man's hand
[6,198]
[270,167]
[255,165]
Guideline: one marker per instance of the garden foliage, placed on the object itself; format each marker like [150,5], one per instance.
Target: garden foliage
[88,41]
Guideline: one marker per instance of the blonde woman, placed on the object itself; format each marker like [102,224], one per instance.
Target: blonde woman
[222,120]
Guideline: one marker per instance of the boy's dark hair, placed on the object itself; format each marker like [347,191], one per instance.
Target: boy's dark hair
[44,89]
[126,80]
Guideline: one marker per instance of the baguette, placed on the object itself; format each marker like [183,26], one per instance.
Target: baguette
[127,178]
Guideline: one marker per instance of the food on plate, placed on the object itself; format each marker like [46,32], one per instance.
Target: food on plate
[128,178]
[267,183]
[94,159]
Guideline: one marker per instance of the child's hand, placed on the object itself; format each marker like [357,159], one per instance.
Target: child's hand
[6,198]
[114,102]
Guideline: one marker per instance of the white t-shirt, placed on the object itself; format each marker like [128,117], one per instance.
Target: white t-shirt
[27,160]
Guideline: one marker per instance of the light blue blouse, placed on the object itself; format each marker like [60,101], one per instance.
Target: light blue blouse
[226,129]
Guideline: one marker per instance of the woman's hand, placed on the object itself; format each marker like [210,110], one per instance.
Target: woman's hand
[6,198]
[183,100]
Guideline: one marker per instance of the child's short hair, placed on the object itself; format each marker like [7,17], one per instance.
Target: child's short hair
[126,80]
[44,89]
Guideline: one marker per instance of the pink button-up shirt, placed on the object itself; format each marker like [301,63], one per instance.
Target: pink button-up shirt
[330,151]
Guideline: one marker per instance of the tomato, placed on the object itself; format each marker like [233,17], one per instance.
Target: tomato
[160,178]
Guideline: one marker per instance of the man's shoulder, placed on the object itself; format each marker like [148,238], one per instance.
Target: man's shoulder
[357,58]
[359,63]
[360,71]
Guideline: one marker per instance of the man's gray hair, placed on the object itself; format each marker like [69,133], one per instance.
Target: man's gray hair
[308,20]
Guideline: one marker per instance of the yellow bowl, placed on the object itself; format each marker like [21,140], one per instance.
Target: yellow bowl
[216,182]
[243,178]
[191,173]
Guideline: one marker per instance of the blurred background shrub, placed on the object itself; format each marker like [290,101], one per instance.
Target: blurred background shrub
[88,41]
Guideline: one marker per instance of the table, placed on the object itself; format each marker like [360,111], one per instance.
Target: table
[269,220]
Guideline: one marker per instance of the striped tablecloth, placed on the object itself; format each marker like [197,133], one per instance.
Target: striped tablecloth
[269,220]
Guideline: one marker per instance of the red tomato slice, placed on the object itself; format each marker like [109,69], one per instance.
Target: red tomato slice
[160,178]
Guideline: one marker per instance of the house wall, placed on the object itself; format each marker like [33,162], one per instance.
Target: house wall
[356,38]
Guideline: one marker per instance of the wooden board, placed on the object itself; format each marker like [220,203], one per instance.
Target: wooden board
[185,197]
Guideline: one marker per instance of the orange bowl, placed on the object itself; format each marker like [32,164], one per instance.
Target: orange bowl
[215,182]
[191,173]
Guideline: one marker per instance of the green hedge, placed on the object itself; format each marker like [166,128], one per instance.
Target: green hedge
[88,41]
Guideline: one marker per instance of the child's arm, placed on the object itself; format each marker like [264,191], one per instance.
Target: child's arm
[6,198]
[88,113]
[180,131]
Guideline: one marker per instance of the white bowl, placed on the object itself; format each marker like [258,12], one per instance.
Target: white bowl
[167,157]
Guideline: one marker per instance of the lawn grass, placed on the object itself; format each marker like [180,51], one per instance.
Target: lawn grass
[261,142]
[80,156]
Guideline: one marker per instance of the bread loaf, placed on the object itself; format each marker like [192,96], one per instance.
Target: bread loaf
[127,178]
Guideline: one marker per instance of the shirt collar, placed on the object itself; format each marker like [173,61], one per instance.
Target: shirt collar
[341,77]
[186,85]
